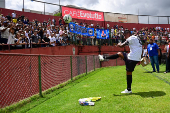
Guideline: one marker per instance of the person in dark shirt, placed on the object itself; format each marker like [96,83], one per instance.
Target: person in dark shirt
[60,21]
[36,22]
[46,40]
[40,32]
[22,18]
[26,20]
[9,17]
[19,18]
[45,23]
[35,39]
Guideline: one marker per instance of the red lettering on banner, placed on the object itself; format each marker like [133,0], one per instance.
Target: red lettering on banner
[83,14]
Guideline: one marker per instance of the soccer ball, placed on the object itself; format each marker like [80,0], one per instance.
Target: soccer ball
[67,18]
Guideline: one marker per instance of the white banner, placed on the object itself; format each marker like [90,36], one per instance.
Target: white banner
[121,18]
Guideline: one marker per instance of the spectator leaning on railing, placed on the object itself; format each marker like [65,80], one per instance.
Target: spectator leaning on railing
[35,39]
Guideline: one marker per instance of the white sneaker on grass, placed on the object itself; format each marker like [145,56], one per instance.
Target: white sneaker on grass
[126,91]
[101,57]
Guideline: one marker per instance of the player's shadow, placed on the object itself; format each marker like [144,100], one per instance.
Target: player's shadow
[147,72]
[149,94]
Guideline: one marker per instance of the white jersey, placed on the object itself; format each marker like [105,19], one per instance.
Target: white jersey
[5,34]
[135,46]
[167,48]
[11,38]
[53,39]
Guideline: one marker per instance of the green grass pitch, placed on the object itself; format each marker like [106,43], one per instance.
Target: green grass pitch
[151,93]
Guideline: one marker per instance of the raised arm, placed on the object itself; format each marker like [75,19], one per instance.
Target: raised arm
[123,44]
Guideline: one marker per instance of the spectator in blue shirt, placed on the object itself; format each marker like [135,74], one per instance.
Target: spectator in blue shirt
[153,51]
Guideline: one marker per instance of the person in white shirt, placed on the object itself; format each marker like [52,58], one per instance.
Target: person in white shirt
[156,38]
[92,24]
[5,32]
[11,37]
[145,52]
[26,32]
[169,35]
[14,15]
[52,40]
[49,31]
[131,59]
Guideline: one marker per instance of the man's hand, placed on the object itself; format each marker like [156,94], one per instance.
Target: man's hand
[121,44]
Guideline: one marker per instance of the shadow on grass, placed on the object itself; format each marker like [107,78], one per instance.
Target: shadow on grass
[153,72]
[148,72]
[161,71]
[150,94]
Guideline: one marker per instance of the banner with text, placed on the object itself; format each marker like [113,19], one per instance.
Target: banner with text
[122,18]
[102,33]
[74,28]
[83,14]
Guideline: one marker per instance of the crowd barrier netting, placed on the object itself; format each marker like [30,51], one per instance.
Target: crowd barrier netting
[22,76]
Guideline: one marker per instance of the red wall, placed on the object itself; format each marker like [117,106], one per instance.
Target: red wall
[58,50]
[68,50]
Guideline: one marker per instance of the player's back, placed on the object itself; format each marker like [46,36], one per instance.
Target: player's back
[135,46]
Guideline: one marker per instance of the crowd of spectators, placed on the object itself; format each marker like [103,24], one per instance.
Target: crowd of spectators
[20,32]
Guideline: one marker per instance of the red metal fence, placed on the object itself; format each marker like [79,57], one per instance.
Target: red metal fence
[22,76]
[18,78]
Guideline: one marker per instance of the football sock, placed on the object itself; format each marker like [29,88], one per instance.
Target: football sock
[113,56]
[129,82]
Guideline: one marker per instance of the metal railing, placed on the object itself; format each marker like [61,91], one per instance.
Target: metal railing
[81,41]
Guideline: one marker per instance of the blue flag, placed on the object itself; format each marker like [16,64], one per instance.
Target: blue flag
[102,33]
[74,28]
